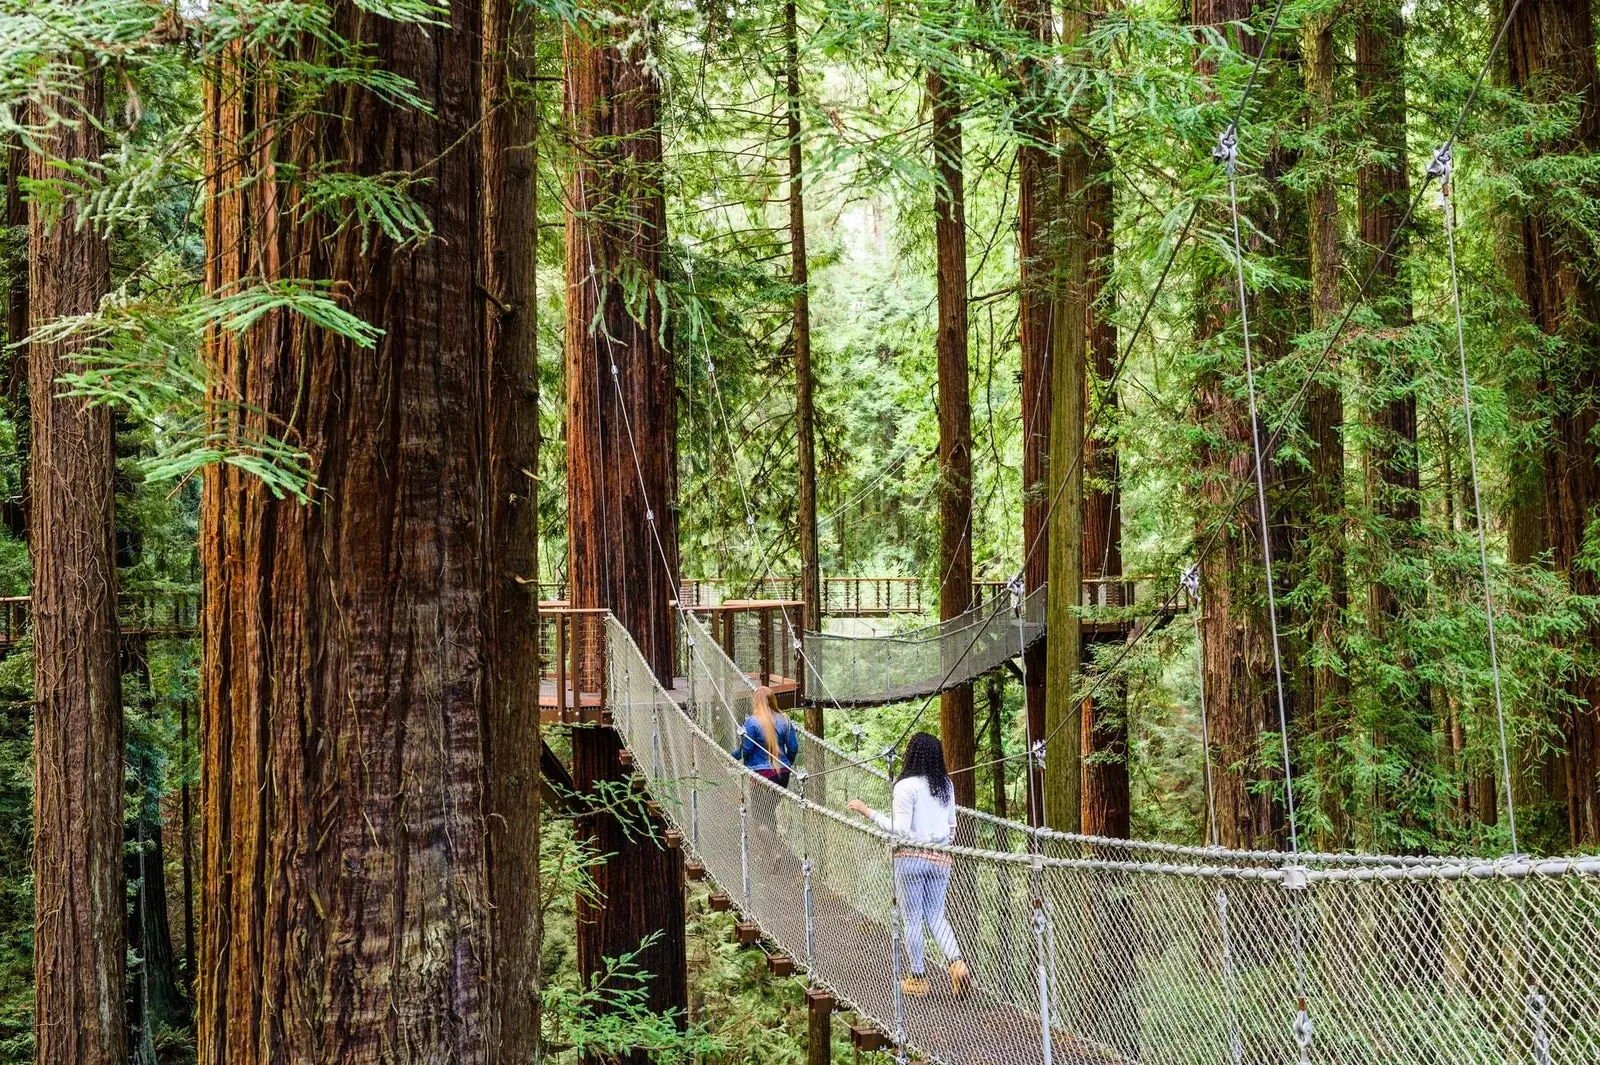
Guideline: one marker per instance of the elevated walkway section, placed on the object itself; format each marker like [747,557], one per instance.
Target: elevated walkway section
[1088,950]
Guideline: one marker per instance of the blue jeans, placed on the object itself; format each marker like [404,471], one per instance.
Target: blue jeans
[922,886]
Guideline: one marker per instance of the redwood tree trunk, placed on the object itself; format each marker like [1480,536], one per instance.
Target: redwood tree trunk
[512,738]
[955,427]
[1106,802]
[1330,597]
[804,412]
[1063,769]
[79,959]
[1036,204]
[621,455]
[1236,656]
[348,644]
[1551,54]
[1394,478]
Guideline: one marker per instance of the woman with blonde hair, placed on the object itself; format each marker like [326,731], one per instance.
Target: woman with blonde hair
[768,744]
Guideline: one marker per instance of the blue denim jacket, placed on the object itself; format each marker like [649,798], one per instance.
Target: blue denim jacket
[752,749]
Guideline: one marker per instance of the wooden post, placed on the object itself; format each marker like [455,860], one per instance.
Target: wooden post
[819,1029]
[561,665]
[764,618]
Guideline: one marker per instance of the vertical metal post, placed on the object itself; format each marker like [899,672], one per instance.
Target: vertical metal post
[1536,1024]
[657,771]
[561,666]
[1044,977]
[1235,1044]
[805,874]
[764,619]
[894,960]
[744,839]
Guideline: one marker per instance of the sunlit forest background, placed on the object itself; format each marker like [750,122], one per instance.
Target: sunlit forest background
[1153,90]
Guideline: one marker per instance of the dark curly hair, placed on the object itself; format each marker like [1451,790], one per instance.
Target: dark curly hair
[925,758]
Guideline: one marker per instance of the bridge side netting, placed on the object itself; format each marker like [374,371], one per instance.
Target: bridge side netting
[866,670]
[836,775]
[1162,962]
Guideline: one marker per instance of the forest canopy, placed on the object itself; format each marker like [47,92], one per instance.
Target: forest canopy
[351,345]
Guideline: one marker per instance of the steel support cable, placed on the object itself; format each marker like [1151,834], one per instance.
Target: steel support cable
[1228,154]
[797,643]
[1442,167]
[1317,364]
[1127,353]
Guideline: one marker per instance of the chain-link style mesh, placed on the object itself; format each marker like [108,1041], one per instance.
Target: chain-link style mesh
[867,670]
[1188,956]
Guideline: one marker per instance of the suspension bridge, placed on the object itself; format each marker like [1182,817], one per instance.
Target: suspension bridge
[1093,950]
[1085,949]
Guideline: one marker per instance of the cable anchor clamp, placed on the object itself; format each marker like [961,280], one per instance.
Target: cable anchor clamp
[1302,1032]
[1296,877]
[1442,165]
[1227,150]
[1191,581]
[1036,753]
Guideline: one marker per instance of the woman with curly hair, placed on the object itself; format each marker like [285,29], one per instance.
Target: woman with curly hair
[924,816]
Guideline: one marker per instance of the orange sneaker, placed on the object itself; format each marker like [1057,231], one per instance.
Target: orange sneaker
[960,978]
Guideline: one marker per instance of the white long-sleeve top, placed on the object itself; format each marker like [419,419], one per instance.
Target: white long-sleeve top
[918,816]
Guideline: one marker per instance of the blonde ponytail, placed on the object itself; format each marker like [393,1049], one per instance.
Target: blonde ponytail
[761,710]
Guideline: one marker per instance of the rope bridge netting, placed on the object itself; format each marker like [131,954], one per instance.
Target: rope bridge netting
[869,670]
[1088,950]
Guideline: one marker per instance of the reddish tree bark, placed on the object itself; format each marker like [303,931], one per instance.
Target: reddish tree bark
[955,426]
[79,960]
[1551,55]
[621,464]
[1037,179]
[1330,600]
[1106,802]
[348,644]
[513,743]
[1236,657]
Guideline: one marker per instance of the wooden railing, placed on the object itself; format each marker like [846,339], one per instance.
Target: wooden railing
[773,659]
[143,614]
[572,652]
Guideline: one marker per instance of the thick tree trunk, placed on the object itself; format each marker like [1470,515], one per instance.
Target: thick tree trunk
[1106,802]
[1393,479]
[156,1000]
[1330,690]
[1551,55]
[1236,655]
[349,652]
[1063,771]
[621,460]
[79,958]
[804,411]
[1037,200]
[955,427]
[512,740]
